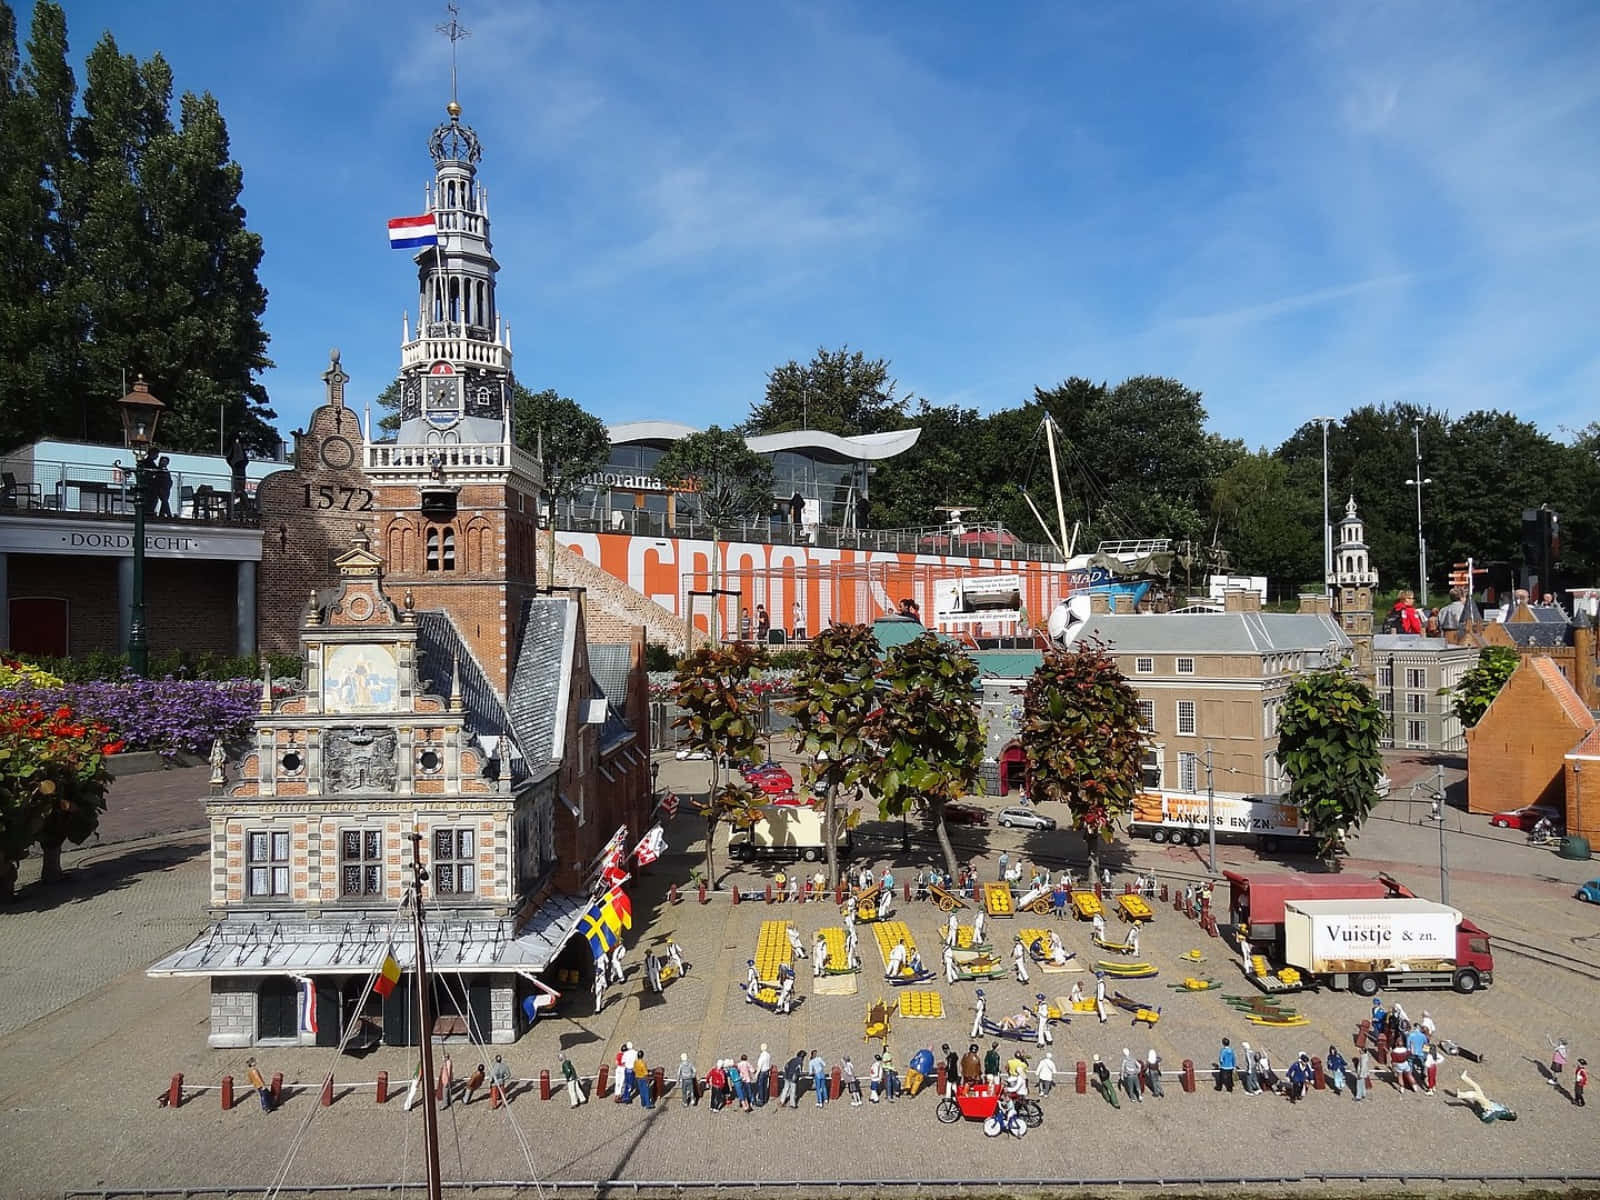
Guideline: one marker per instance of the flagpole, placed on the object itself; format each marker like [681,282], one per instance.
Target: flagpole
[430,1115]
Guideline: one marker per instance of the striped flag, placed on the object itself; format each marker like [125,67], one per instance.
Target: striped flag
[388,975]
[308,1006]
[650,846]
[618,908]
[408,232]
[669,805]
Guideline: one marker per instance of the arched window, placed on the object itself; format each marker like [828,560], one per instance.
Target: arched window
[433,549]
[448,558]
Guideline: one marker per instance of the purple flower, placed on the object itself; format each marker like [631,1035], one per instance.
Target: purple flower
[170,716]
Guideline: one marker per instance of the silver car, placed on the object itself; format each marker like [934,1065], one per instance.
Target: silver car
[1024,818]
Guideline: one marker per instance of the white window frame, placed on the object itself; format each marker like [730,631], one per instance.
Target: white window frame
[1416,703]
[1180,669]
[1188,771]
[1144,665]
[271,867]
[460,866]
[1386,676]
[1416,677]
[1147,716]
[369,859]
[1416,733]
[1192,710]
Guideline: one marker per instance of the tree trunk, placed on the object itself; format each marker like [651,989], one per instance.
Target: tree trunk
[711,820]
[1093,842]
[829,816]
[50,854]
[942,832]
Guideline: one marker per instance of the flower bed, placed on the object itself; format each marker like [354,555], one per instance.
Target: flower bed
[168,716]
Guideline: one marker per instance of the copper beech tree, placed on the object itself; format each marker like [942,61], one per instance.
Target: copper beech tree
[929,746]
[721,718]
[1083,740]
[834,693]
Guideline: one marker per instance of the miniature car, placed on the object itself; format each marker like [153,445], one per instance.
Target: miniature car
[1025,818]
[685,755]
[1527,817]
[1590,892]
[965,814]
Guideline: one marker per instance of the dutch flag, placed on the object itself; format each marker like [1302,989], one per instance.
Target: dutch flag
[408,232]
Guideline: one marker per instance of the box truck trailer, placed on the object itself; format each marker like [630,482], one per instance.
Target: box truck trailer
[787,834]
[1270,822]
[1395,942]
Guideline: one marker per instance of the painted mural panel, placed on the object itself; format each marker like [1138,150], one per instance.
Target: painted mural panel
[360,679]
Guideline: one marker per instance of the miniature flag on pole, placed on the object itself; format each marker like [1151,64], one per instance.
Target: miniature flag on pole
[408,232]
[617,909]
[650,846]
[597,927]
[388,975]
[308,1008]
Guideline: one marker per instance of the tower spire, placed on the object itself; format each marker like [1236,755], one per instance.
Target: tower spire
[454,31]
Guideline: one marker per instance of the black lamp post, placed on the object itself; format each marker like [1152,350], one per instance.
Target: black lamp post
[141,413]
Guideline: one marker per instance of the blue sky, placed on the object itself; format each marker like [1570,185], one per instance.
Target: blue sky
[1293,207]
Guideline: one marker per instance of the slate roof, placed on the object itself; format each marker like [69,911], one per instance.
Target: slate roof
[1538,635]
[611,663]
[1216,633]
[541,682]
[440,647]
[1410,641]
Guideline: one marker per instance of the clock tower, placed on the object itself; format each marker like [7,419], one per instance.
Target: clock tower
[1353,583]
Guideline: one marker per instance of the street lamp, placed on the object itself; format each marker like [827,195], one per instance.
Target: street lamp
[1327,527]
[1438,815]
[1422,546]
[141,414]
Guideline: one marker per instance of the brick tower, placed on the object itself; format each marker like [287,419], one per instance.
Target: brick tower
[1353,583]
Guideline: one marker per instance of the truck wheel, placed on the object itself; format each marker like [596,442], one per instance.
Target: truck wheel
[1467,982]
[1158,836]
[812,854]
[1269,845]
[1364,985]
[1194,837]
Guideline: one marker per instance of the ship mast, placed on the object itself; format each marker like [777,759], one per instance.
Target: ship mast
[430,1115]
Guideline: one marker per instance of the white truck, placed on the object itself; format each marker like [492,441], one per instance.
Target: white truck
[1396,942]
[787,833]
[1169,816]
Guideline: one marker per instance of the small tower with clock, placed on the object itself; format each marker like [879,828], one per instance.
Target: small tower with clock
[1353,582]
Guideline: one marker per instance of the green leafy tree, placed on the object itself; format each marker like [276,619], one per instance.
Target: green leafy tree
[1082,736]
[1268,524]
[834,693]
[150,268]
[389,401]
[1329,730]
[573,445]
[722,480]
[722,718]
[929,746]
[838,391]
[1476,690]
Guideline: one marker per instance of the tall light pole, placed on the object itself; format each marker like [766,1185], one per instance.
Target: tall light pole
[1438,816]
[1211,813]
[1327,526]
[141,413]
[1422,546]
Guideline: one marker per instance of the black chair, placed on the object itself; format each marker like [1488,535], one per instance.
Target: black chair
[13,493]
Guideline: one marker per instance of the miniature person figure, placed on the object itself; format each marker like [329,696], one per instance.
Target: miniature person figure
[786,994]
[819,956]
[795,945]
[917,969]
[652,971]
[447,1080]
[949,964]
[763,1089]
[744,626]
[1041,1036]
[763,622]
[1299,1077]
[971,1066]
[1098,926]
[500,1080]
[1017,1075]
[1335,1064]
[619,973]
[1427,1025]
[569,1073]
[259,1082]
[977,1015]
[885,904]
[474,1082]
[752,981]
[1362,1079]
[897,960]
[1249,1070]
[1058,952]
[1152,1074]
[977,928]
[1101,1007]
[686,1080]
[1130,1077]
[1132,942]
[851,959]
[1226,1061]
[1430,1066]
[414,1092]
[1487,1109]
[1005,861]
[599,983]
[1246,959]
[1046,1073]
[799,622]
[991,1063]
[1102,1082]
[950,928]
[675,954]
[1580,1080]
[1019,958]
[1105,877]
[1076,994]
[219,760]
[1558,1059]
[848,1081]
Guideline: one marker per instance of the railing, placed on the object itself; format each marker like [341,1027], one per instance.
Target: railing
[447,457]
[455,348]
[59,487]
[936,539]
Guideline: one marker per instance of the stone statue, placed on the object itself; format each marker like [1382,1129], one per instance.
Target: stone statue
[219,759]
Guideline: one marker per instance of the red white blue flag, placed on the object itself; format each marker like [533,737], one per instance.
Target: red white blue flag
[308,1006]
[408,232]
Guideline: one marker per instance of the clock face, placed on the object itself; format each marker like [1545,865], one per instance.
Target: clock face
[442,403]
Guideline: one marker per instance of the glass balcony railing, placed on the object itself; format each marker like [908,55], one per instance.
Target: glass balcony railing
[58,487]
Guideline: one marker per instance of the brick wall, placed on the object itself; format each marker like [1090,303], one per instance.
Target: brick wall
[189,605]
[1516,753]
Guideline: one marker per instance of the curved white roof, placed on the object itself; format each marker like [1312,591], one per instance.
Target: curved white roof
[870,446]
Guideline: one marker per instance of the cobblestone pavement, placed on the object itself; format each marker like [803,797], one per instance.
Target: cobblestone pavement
[79,1069]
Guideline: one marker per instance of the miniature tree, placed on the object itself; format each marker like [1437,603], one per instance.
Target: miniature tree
[1329,731]
[1471,697]
[834,693]
[1083,739]
[925,734]
[722,718]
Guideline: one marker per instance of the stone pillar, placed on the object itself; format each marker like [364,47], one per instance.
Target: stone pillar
[124,602]
[233,1012]
[244,610]
[503,1010]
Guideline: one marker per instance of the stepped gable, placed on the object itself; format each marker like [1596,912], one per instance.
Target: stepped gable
[614,610]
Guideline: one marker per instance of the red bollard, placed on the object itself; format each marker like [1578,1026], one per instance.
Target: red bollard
[1099,892]
[1163,893]
[658,1083]
[1188,1075]
[227,1092]
[905,890]
[1177,902]
[1081,1078]
[773,1083]
[175,1091]
[942,1079]
[702,893]
[834,1084]
[736,893]
[327,1091]
[383,1087]
[769,893]
[600,1079]
[672,894]
[544,1085]
[838,893]
[1317,1080]
[277,1088]
[495,1098]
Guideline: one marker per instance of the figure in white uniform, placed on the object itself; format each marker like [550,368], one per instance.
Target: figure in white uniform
[786,993]
[851,959]
[1019,958]
[752,981]
[1133,939]
[977,928]
[795,945]
[1101,1007]
[675,953]
[1041,1036]
[977,1016]
[1099,926]
[618,975]
[599,984]
[950,930]
[897,960]
[819,957]
[949,964]
[885,904]
[1077,992]
[1244,958]
[917,969]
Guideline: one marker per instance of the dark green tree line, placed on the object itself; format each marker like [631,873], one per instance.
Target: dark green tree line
[128,249]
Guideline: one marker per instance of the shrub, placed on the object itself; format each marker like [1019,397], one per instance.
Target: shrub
[170,716]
